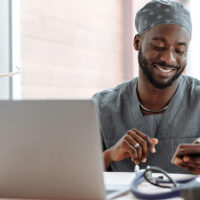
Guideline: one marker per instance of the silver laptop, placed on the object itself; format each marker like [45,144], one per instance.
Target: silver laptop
[50,149]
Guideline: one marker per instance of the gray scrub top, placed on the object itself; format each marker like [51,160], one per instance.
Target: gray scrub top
[119,111]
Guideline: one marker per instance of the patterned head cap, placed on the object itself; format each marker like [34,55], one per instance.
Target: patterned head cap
[162,12]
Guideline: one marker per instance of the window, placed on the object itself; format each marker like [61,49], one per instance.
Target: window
[5,50]
[73,49]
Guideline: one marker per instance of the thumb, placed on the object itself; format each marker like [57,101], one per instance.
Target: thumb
[154,140]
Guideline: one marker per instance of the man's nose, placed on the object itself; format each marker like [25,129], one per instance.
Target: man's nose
[168,57]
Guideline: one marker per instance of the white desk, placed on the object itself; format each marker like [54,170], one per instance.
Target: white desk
[120,178]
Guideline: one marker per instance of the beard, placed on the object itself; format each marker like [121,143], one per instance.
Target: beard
[160,85]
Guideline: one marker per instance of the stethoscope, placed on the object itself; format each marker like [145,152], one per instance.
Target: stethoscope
[177,187]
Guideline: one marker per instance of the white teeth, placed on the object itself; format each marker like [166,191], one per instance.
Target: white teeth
[164,70]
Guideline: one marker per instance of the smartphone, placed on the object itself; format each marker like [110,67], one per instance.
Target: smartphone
[186,149]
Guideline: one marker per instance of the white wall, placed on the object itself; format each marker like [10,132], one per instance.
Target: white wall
[193,67]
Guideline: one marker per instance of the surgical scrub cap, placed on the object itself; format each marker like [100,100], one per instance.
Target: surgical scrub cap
[162,12]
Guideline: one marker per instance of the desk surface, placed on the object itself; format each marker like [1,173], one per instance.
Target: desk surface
[124,178]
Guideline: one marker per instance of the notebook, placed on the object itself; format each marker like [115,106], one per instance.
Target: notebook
[51,149]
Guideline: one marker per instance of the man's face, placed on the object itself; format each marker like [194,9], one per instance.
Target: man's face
[163,54]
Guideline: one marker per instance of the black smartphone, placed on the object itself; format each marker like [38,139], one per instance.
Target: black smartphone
[186,149]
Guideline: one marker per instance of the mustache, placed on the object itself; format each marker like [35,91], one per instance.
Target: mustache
[164,64]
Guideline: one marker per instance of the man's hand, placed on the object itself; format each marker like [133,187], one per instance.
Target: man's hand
[189,162]
[124,148]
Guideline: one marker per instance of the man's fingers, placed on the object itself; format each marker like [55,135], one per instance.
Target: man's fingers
[189,161]
[190,166]
[142,150]
[133,137]
[150,144]
[194,170]
[131,150]
[192,159]
[178,161]
[139,152]
[133,142]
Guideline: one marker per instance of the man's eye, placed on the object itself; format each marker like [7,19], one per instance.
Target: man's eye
[158,48]
[181,52]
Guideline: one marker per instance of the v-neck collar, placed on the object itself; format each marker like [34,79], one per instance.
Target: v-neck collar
[168,115]
[173,107]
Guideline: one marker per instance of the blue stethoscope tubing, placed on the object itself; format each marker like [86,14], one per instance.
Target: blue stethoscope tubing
[164,195]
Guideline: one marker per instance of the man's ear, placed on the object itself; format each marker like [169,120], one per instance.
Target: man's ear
[136,42]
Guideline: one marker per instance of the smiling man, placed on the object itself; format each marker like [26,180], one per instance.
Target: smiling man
[161,107]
